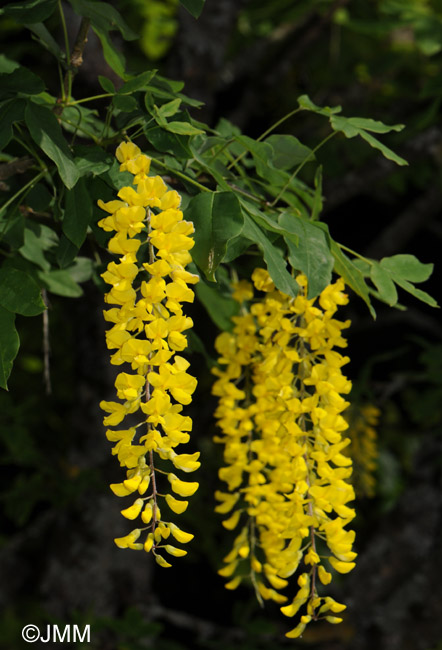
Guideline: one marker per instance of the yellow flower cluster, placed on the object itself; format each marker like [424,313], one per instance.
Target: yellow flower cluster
[363,447]
[147,333]
[280,390]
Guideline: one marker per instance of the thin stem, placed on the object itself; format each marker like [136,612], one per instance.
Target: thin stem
[89,99]
[81,128]
[175,172]
[23,189]
[149,426]
[263,135]
[302,392]
[65,85]
[304,162]
[275,126]
[28,147]
[361,257]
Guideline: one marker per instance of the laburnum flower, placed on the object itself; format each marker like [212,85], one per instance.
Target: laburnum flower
[147,330]
[362,449]
[280,389]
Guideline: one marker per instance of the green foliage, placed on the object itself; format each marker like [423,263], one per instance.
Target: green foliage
[245,196]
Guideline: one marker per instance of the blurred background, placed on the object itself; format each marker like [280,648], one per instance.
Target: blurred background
[248,61]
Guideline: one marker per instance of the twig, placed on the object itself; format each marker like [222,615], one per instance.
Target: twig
[76,60]
[17,166]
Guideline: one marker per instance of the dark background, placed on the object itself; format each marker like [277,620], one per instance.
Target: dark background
[248,61]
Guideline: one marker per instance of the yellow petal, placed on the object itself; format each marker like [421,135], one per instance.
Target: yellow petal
[180,535]
[183,488]
[177,552]
[233,584]
[162,562]
[175,504]
[232,521]
[341,567]
[134,510]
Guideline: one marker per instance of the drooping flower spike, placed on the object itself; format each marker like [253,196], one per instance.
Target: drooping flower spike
[363,448]
[280,390]
[147,334]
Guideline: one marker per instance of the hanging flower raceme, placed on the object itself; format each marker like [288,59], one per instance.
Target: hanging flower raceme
[363,448]
[147,334]
[280,390]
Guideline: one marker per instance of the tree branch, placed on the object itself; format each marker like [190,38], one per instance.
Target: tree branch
[76,61]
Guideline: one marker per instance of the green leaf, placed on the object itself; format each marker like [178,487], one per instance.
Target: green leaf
[353,126]
[10,112]
[351,275]
[21,80]
[114,58]
[32,250]
[288,151]
[312,256]
[19,293]
[387,153]
[168,142]
[124,103]
[407,267]
[194,7]
[9,345]
[384,284]
[317,198]
[137,83]
[217,218]
[91,160]
[367,124]
[66,252]
[82,269]
[306,103]
[117,179]
[262,154]
[77,213]
[60,283]
[31,11]
[235,248]
[106,84]
[103,16]
[168,109]
[265,221]
[7,65]
[182,128]
[12,228]
[45,38]
[47,134]
[219,307]
[417,293]
[273,257]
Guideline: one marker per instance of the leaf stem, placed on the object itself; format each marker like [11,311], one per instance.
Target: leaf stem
[276,124]
[89,99]
[175,172]
[361,257]
[298,169]
[65,85]
[23,189]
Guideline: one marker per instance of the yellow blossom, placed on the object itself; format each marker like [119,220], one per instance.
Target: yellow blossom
[280,388]
[147,330]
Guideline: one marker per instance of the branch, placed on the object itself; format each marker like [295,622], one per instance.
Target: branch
[16,166]
[75,62]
